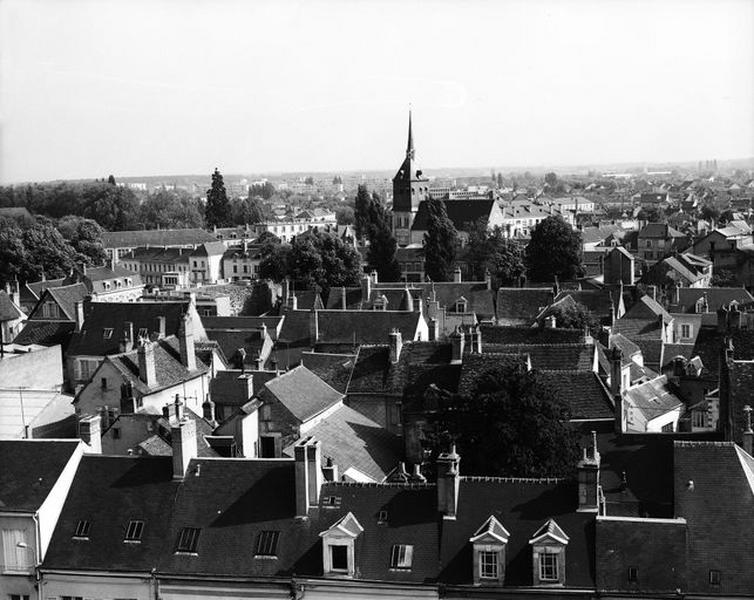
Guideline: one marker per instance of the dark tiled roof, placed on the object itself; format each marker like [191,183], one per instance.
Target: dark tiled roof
[522,508]
[552,357]
[28,471]
[8,310]
[158,254]
[480,299]
[231,340]
[475,365]
[646,308]
[303,393]
[365,326]
[231,389]
[209,249]
[67,296]
[716,297]
[583,391]
[46,333]
[156,237]
[463,213]
[109,491]
[143,315]
[247,323]
[333,369]
[497,334]
[372,372]
[354,299]
[37,288]
[353,440]
[636,329]
[168,367]
[653,352]
[653,398]
[598,302]
[522,304]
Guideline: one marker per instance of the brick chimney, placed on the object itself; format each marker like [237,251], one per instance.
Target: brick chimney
[126,342]
[127,399]
[208,410]
[183,440]
[722,319]
[589,478]
[147,371]
[79,309]
[434,330]
[457,275]
[396,345]
[615,357]
[330,470]
[343,298]
[488,279]
[748,435]
[186,342]
[448,483]
[292,303]
[90,432]
[160,327]
[366,288]
[409,299]
[286,291]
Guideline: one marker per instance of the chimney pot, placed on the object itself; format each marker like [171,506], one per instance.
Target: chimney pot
[183,437]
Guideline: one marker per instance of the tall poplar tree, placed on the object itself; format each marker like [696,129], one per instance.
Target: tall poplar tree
[439,243]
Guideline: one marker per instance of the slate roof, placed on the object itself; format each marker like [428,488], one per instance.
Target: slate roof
[716,297]
[168,367]
[463,213]
[231,340]
[475,365]
[8,310]
[353,440]
[333,369]
[522,507]
[303,393]
[583,391]
[553,357]
[653,398]
[45,333]
[100,315]
[239,322]
[66,297]
[354,298]
[157,254]
[37,288]
[156,237]
[659,231]
[522,304]
[480,300]
[598,302]
[29,469]
[647,308]
[209,249]
[366,326]
[499,334]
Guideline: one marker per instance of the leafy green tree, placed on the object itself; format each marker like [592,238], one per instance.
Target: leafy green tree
[725,278]
[171,209]
[262,190]
[114,208]
[13,259]
[512,424]
[491,252]
[381,253]
[344,215]
[313,260]
[651,214]
[217,212]
[554,250]
[575,316]
[111,180]
[439,243]
[85,237]
[709,213]
[551,179]
[249,210]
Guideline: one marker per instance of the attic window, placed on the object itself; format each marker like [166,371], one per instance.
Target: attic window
[107,333]
[267,543]
[633,574]
[714,577]
[82,530]
[401,556]
[382,516]
[331,501]
[188,539]
[143,332]
[134,531]
[548,566]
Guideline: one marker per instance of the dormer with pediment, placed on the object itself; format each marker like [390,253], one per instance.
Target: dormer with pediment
[410,188]
[548,546]
[339,547]
[490,542]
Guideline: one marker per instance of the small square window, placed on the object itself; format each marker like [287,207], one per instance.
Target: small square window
[107,333]
[401,556]
[82,530]
[488,564]
[116,433]
[267,543]
[382,516]
[633,574]
[134,531]
[188,539]
[339,557]
[714,577]
[103,383]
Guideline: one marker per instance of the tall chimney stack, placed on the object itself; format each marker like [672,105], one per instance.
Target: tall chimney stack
[147,371]
[186,342]
[90,431]
[183,438]
[448,483]
[79,308]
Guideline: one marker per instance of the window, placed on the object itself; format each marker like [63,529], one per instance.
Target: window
[714,577]
[134,531]
[267,543]
[235,268]
[16,552]
[699,418]
[685,331]
[71,598]
[488,567]
[401,556]
[188,538]
[82,530]
[668,428]
[107,333]
[548,566]
[382,516]
[103,383]
[633,574]
[19,597]
[116,433]
[339,557]
[143,332]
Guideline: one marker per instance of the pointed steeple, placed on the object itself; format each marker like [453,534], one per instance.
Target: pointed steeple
[410,146]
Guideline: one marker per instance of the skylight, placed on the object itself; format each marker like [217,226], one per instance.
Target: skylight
[188,539]
[401,556]
[82,530]
[267,543]
[134,531]
[107,333]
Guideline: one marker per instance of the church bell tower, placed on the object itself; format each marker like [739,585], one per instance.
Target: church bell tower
[410,187]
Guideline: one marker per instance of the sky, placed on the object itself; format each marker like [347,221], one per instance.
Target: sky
[137,87]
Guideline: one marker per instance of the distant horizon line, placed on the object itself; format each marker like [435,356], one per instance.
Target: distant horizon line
[563,168]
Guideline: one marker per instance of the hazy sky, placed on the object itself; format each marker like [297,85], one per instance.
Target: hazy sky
[89,88]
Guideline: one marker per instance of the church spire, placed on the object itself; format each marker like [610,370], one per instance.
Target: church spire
[410,147]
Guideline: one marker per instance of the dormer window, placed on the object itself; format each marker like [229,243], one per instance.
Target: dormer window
[401,557]
[338,553]
[548,554]
[107,333]
[267,544]
[462,305]
[490,542]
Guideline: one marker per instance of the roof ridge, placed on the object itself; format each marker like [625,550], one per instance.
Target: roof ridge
[693,443]
[491,479]
[377,484]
